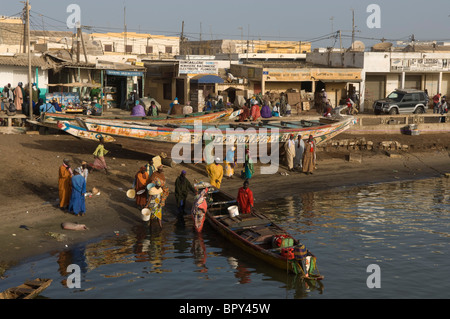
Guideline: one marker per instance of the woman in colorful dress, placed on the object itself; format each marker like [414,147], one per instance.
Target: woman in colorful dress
[230,162]
[154,203]
[309,156]
[159,176]
[249,169]
[199,209]
[99,155]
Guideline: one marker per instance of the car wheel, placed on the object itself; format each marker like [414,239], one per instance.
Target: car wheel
[377,112]
[420,110]
[393,112]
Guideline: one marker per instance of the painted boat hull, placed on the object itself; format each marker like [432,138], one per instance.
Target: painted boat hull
[229,133]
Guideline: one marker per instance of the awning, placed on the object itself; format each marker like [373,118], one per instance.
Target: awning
[76,84]
[207,79]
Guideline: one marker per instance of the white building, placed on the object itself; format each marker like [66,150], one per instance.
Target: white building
[383,72]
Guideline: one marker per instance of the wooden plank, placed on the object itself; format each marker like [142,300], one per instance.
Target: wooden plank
[22,291]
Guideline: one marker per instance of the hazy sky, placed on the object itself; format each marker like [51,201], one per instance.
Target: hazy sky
[293,20]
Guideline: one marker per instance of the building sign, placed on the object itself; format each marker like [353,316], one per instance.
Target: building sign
[311,75]
[420,65]
[198,67]
[124,73]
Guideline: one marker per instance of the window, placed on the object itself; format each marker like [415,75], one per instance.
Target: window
[149,49]
[397,97]
[128,48]
[168,49]
[108,48]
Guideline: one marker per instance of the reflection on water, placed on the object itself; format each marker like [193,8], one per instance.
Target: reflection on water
[402,227]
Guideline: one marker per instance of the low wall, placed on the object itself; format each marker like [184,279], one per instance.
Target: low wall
[399,124]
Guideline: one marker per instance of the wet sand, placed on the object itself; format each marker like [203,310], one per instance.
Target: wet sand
[31,218]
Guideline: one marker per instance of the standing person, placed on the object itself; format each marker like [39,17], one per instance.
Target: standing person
[77,203]
[155,204]
[309,156]
[64,184]
[436,100]
[245,199]
[187,109]
[289,148]
[99,155]
[299,150]
[150,167]
[84,171]
[140,187]
[8,92]
[230,163]
[443,108]
[153,109]
[283,103]
[215,173]
[18,97]
[182,188]
[249,168]
[159,176]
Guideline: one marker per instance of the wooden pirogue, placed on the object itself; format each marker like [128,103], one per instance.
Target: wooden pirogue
[260,237]
[28,290]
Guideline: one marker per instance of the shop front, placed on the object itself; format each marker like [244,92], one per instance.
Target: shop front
[122,88]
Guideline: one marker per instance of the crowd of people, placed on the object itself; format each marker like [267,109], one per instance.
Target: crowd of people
[440,105]
[300,154]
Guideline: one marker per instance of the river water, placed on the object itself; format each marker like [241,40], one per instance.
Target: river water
[402,229]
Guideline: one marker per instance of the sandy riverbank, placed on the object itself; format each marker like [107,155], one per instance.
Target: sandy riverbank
[29,194]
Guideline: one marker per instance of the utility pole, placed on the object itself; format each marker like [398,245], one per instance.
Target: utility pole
[125,30]
[30,92]
[353,27]
[182,39]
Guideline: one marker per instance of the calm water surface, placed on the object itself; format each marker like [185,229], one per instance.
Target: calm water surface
[401,227]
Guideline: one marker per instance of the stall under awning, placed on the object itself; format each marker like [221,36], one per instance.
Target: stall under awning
[207,79]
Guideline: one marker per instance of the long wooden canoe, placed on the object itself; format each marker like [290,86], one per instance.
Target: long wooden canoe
[28,290]
[259,236]
[226,133]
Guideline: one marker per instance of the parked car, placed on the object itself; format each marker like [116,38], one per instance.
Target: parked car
[402,101]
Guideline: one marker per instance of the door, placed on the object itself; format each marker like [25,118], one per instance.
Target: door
[180,85]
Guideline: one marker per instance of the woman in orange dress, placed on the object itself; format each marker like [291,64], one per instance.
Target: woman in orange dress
[64,184]
[140,186]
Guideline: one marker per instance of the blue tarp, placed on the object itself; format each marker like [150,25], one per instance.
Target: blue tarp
[207,79]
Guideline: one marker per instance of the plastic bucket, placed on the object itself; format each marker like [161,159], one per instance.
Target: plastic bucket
[131,193]
[146,214]
[233,211]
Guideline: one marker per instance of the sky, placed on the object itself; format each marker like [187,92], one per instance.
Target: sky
[289,20]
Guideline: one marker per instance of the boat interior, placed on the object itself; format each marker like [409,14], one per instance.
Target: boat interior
[255,227]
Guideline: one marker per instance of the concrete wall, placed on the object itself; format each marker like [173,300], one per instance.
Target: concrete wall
[16,74]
